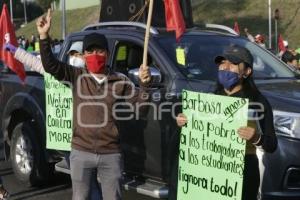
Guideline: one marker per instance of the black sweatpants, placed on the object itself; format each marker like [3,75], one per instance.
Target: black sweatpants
[251,178]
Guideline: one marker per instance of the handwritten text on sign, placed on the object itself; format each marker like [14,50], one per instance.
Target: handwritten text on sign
[211,155]
[59,114]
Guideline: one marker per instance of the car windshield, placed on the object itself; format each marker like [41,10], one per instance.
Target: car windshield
[194,55]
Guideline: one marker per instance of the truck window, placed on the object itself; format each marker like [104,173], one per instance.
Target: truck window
[128,56]
[200,51]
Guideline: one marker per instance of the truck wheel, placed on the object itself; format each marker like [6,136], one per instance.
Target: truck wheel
[27,159]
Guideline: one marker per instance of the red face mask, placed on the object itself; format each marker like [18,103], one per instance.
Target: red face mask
[95,63]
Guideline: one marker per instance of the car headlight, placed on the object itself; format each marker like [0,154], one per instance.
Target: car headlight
[287,124]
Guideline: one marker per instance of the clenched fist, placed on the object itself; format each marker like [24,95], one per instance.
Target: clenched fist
[181,120]
[144,74]
[248,133]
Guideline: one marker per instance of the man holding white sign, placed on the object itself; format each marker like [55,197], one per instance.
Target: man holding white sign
[234,80]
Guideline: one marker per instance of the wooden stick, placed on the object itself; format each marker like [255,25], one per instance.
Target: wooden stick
[147,34]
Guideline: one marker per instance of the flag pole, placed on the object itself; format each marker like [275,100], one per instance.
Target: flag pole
[11,11]
[270,25]
[147,34]
[63,21]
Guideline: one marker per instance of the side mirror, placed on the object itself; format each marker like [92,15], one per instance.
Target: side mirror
[156,76]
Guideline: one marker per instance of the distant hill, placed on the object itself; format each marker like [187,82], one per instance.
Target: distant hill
[76,20]
[252,14]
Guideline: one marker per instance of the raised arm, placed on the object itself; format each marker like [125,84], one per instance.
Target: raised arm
[31,61]
[61,71]
[250,37]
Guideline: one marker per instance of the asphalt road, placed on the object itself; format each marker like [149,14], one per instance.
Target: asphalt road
[57,189]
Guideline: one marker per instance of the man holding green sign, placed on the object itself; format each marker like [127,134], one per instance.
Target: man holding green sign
[58,101]
[217,154]
[96,90]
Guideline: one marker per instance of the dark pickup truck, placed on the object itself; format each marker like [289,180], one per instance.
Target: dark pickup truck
[149,143]
[23,126]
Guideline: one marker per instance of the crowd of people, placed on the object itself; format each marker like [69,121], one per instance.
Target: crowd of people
[99,155]
[29,45]
[95,152]
[288,55]
[33,45]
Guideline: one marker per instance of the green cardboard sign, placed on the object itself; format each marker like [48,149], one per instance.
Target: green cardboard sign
[59,114]
[211,154]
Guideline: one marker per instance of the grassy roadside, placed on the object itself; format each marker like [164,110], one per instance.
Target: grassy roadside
[252,14]
[76,20]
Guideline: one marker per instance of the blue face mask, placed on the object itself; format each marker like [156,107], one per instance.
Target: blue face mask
[228,79]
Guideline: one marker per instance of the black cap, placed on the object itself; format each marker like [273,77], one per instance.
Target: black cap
[236,54]
[95,39]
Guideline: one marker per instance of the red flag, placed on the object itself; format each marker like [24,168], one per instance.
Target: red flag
[236,27]
[7,35]
[281,46]
[174,18]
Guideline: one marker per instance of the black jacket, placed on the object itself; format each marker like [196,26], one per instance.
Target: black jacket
[268,140]
[93,103]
